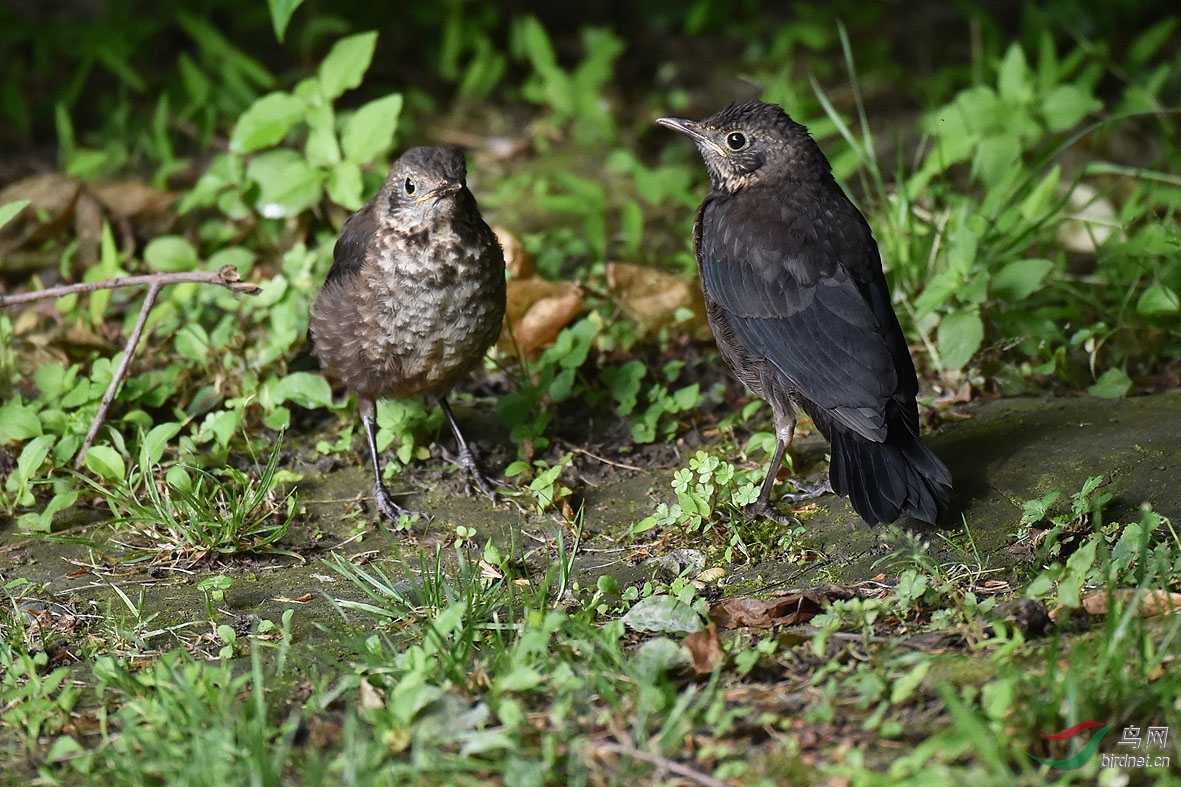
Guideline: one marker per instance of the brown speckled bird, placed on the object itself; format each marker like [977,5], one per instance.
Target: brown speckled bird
[414,298]
[798,303]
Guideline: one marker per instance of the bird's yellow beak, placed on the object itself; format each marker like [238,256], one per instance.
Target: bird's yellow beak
[692,131]
[445,189]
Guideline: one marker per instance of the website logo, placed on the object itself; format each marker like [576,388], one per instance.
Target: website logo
[1131,757]
[1083,754]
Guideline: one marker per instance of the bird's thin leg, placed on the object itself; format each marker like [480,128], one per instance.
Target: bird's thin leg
[385,505]
[466,459]
[762,506]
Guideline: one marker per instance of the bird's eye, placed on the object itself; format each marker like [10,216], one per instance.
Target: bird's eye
[736,140]
[410,187]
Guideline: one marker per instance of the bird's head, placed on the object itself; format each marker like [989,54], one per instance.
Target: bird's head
[747,143]
[424,179]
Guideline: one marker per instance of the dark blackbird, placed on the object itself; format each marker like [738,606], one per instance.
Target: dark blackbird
[799,305]
[414,298]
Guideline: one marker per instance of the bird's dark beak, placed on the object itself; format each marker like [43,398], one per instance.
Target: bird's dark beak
[446,188]
[692,131]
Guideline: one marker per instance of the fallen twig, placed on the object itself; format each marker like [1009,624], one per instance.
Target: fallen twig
[227,277]
[663,763]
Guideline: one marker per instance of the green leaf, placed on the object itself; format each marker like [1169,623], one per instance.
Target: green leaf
[1066,105]
[1014,80]
[281,12]
[519,678]
[996,156]
[666,614]
[1112,384]
[1038,200]
[288,185]
[322,148]
[346,64]
[171,253]
[1158,300]
[1077,565]
[157,440]
[905,686]
[104,461]
[304,388]
[959,337]
[18,422]
[32,456]
[345,185]
[369,132]
[1017,280]
[266,122]
[9,209]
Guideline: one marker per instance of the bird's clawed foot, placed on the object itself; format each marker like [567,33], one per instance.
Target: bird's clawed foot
[763,508]
[388,509]
[466,462]
[808,491]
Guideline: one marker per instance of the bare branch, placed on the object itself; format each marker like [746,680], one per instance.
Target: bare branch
[226,277]
[120,373]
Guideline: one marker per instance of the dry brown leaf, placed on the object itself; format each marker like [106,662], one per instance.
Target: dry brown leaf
[652,297]
[1154,602]
[705,649]
[130,199]
[517,261]
[536,312]
[757,613]
[370,697]
[52,192]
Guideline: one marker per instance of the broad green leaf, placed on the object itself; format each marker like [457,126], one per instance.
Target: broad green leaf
[345,185]
[288,185]
[32,456]
[266,122]
[281,12]
[9,209]
[18,421]
[665,614]
[171,253]
[996,156]
[192,342]
[905,686]
[1017,280]
[303,388]
[1014,80]
[959,337]
[157,440]
[518,678]
[1112,384]
[1077,565]
[346,63]
[1158,300]
[43,521]
[322,149]
[369,132]
[1066,105]
[104,461]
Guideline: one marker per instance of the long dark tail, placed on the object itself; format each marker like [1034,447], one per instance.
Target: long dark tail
[885,480]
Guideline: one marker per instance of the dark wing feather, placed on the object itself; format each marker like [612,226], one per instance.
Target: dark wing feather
[805,291]
[355,238]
